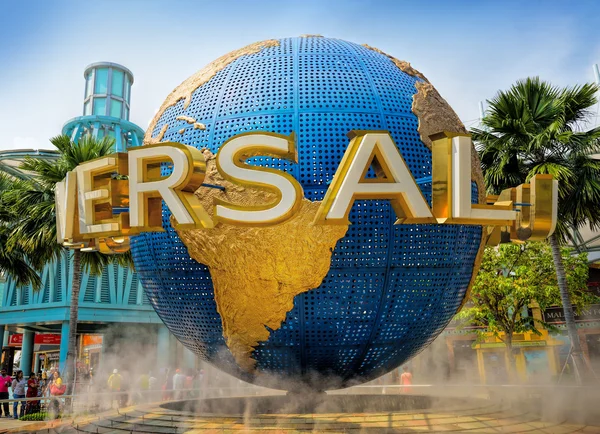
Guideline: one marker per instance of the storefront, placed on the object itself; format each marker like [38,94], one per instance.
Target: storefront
[588,328]
[49,360]
[90,350]
[535,359]
[46,347]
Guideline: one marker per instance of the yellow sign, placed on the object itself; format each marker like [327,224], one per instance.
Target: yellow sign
[103,201]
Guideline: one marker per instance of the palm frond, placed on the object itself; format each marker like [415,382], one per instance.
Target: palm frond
[28,207]
[535,127]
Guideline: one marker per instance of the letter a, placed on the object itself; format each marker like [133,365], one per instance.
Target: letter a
[394,181]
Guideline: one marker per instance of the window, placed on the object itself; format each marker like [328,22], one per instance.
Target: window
[126,113]
[87,108]
[88,84]
[100,106]
[117,82]
[115,108]
[127,87]
[101,80]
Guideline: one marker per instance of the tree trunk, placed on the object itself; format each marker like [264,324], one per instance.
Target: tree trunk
[69,373]
[579,364]
[510,358]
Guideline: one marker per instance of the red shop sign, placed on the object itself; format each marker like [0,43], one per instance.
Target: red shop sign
[16,339]
[40,339]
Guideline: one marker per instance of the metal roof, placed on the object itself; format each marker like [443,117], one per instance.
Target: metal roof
[10,160]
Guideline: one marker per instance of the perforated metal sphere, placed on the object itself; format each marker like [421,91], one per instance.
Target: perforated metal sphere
[390,290]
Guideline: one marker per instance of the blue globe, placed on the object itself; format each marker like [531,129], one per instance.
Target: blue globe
[390,290]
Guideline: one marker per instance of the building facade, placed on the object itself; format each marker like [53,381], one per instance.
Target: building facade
[462,356]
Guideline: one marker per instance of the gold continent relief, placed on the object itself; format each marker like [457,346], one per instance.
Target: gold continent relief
[257,271]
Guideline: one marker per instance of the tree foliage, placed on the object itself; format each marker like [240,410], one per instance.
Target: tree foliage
[14,263]
[514,277]
[536,128]
[33,222]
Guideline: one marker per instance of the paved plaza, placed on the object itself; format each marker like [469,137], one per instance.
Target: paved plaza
[486,418]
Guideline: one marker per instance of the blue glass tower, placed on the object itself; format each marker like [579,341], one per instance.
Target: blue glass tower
[106,106]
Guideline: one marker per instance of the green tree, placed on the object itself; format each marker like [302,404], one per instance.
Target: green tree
[13,262]
[513,277]
[536,128]
[33,227]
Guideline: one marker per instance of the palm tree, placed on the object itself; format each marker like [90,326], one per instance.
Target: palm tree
[33,228]
[13,262]
[536,128]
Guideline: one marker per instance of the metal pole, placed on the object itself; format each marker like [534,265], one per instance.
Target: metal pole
[596,73]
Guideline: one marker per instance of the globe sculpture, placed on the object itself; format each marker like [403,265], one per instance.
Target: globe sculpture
[297,303]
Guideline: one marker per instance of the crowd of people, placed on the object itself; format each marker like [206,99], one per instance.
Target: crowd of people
[35,386]
[147,387]
[124,388]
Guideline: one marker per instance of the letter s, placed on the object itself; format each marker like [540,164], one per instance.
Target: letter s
[232,167]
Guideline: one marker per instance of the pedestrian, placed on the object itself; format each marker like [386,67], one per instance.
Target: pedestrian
[126,386]
[42,383]
[406,380]
[32,392]
[56,389]
[189,384]
[114,385]
[178,384]
[153,386]
[152,381]
[5,382]
[18,389]
[144,387]
[50,378]
[168,386]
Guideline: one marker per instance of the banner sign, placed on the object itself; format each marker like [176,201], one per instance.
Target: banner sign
[40,339]
[555,315]
[54,356]
[516,344]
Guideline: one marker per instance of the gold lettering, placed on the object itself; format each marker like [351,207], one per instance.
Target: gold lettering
[103,201]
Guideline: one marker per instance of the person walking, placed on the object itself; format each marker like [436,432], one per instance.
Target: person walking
[189,384]
[42,383]
[56,389]
[32,392]
[114,385]
[5,382]
[406,380]
[178,384]
[152,381]
[18,389]
[153,386]
[168,386]
[144,387]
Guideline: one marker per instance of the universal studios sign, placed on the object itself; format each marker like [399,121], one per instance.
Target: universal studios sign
[104,201]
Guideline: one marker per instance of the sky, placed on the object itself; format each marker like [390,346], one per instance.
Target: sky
[467,49]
